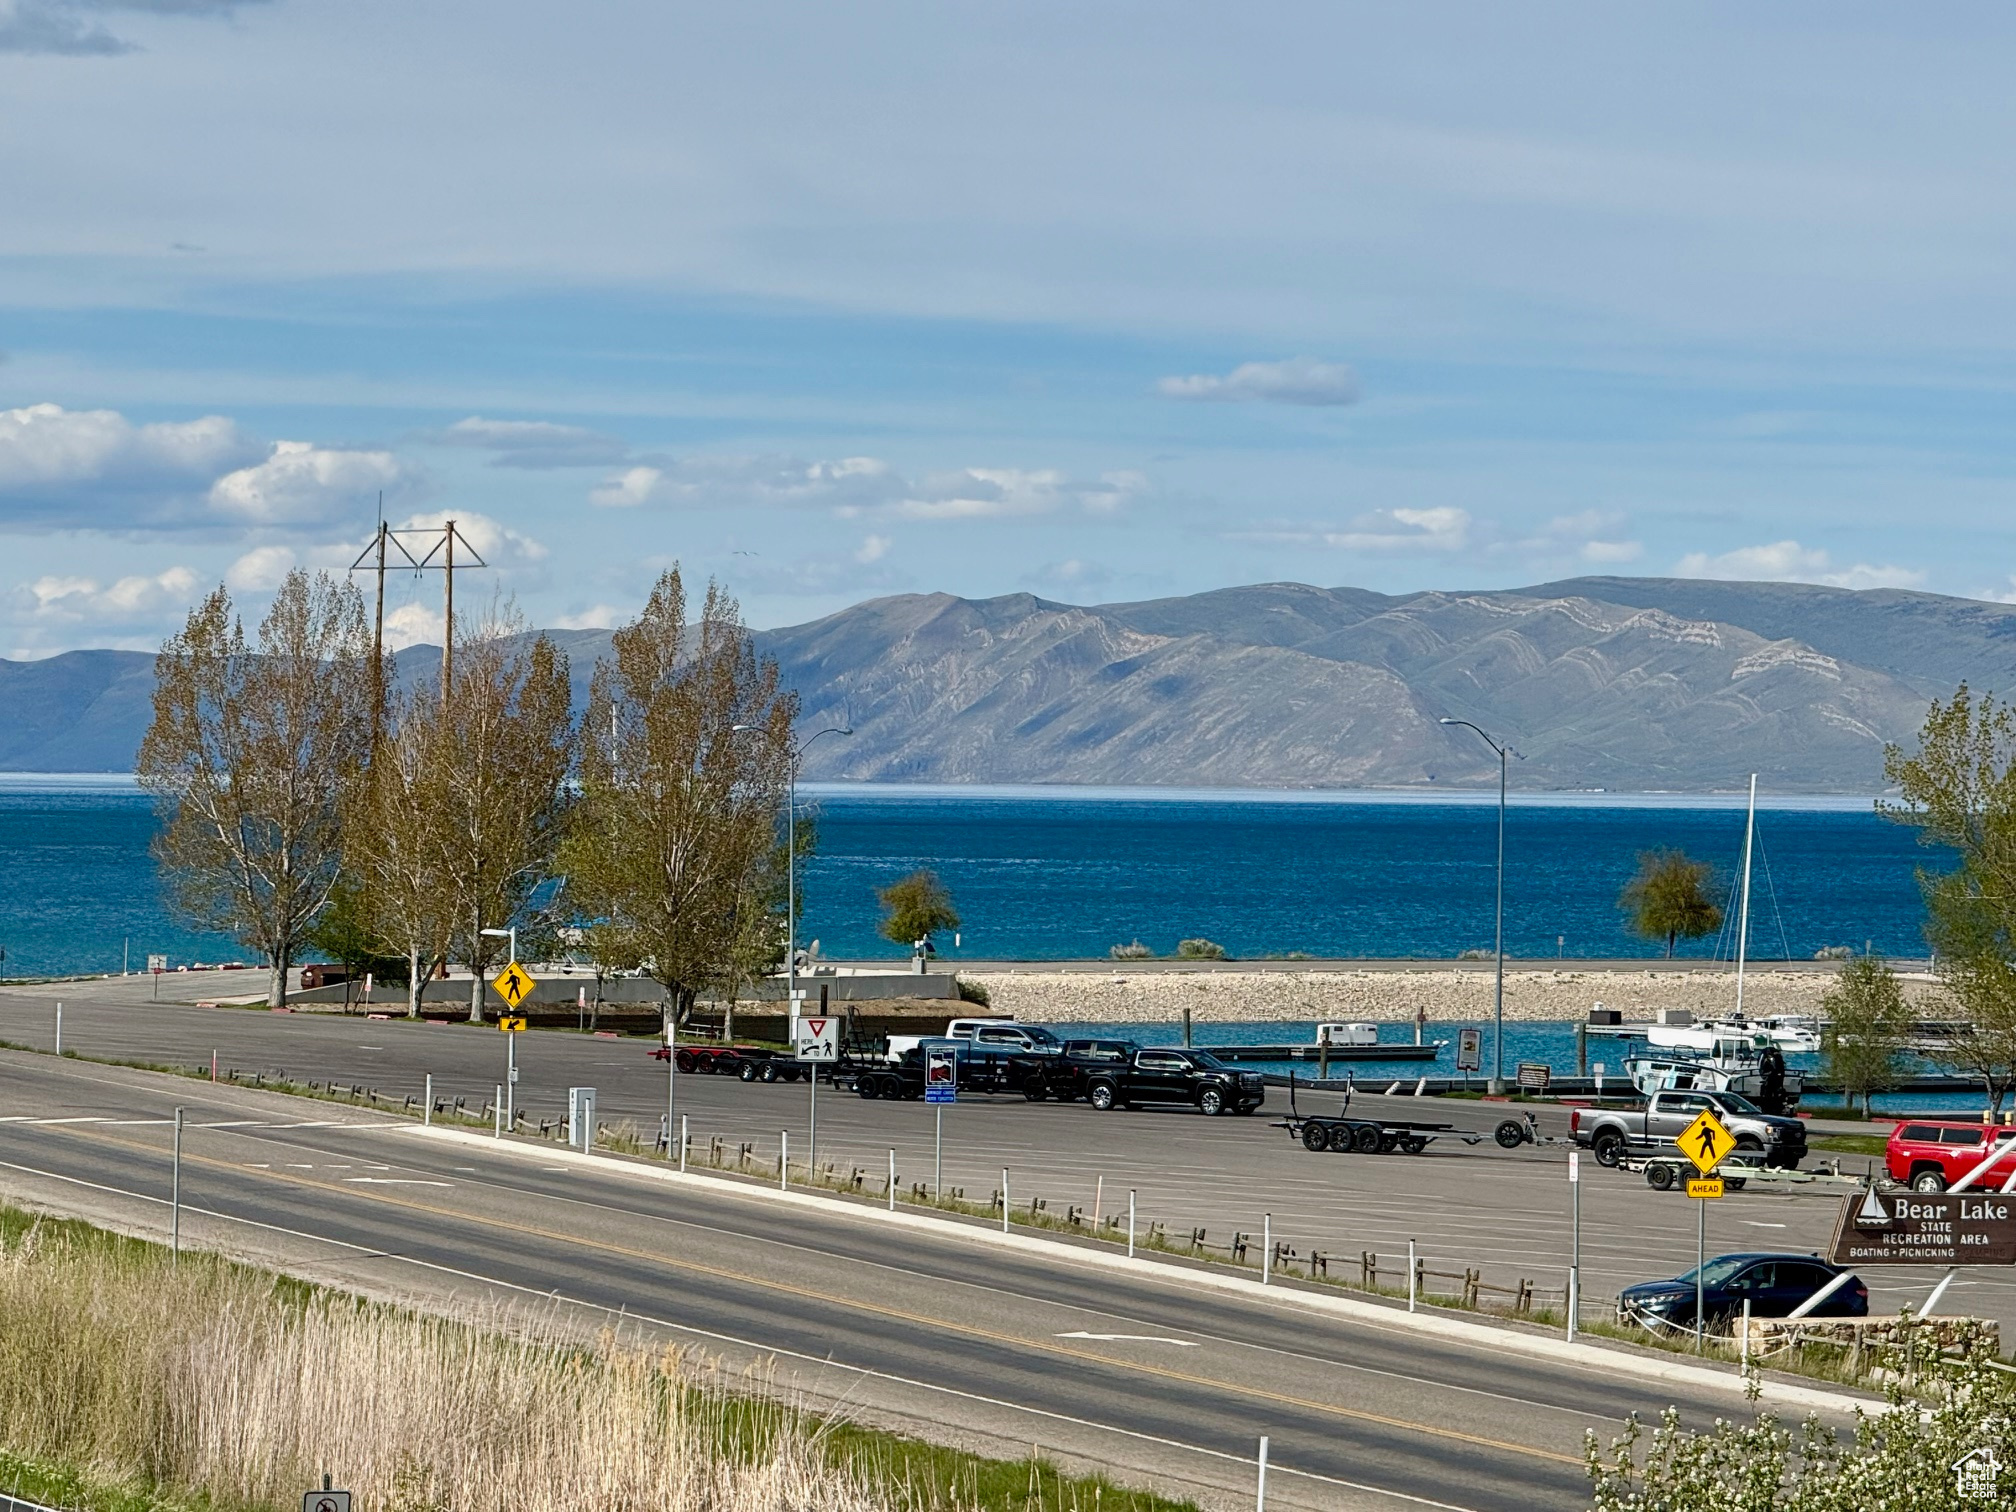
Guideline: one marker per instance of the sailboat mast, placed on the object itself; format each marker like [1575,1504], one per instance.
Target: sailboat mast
[1743,916]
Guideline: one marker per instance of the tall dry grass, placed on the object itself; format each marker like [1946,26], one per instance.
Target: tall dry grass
[209,1378]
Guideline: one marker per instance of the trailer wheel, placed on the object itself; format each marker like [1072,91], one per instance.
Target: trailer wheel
[1510,1134]
[1314,1137]
[747,1071]
[1365,1139]
[1414,1144]
[684,1061]
[1608,1148]
[1102,1096]
[1734,1183]
[1659,1176]
[866,1090]
[767,1072]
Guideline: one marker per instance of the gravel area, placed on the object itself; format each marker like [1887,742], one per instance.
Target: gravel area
[1234,996]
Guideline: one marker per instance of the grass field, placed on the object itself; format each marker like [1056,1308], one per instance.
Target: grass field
[130,1382]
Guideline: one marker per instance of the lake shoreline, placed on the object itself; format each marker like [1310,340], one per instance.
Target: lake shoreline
[1227,994]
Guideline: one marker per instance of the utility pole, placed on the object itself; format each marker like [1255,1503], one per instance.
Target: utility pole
[448,613]
[431,542]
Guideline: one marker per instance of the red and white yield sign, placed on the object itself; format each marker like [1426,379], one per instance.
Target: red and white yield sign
[816,1039]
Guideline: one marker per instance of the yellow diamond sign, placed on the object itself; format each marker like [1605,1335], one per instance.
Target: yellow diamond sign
[513,984]
[1706,1141]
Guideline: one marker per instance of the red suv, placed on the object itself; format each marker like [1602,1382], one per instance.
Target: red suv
[1930,1157]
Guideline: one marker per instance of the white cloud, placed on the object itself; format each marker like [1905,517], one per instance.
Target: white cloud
[1299,380]
[45,443]
[260,570]
[414,624]
[301,484]
[138,599]
[873,549]
[597,617]
[534,443]
[495,542]
[1071,573]
[863,487]
[1443,528]
[1592,535]
[65,27]
[1789,562]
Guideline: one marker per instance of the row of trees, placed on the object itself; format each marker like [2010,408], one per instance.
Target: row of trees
[303,802]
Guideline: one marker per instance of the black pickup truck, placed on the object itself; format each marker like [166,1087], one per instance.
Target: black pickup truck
[1161,1075]
[1066,1075]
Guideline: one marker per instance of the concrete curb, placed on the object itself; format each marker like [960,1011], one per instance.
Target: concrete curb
[1640,1367]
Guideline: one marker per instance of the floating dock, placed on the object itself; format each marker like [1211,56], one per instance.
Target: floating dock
[1427,1052]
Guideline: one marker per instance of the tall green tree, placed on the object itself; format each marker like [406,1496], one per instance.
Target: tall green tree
[1671,898]
[250,755]
[506,748]
[1868,1026]
[915,908]
[1958,790]
[675,840]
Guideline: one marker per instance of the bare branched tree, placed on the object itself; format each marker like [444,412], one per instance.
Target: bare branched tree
[249,757]
[676,840]
[396,840]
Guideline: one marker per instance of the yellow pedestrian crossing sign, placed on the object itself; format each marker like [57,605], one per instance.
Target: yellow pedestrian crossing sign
[513,984]
[1706,1141]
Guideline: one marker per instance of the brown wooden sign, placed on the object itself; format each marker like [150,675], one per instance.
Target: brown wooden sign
[1918,1228]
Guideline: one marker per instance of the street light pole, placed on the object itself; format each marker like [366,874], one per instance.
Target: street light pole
[1498,1032]
[794,755]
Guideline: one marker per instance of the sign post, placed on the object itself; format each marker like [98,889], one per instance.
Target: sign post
[1574,1238]
[941,1086]
[1707,1142]
[156,964]
[815,1042]
[511,1026]
[1469,1053]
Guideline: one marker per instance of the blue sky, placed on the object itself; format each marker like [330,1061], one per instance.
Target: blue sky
[1096,302]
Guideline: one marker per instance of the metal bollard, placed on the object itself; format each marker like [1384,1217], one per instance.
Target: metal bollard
[1130,1223]
[892,1181]
[1413,1275]
[427,1110]
[1266,1248]
[684,1138]
[783,1160]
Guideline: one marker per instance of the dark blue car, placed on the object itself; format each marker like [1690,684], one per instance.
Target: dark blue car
[1773,1285]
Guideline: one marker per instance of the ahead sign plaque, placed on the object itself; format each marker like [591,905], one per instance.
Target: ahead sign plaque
[1922,1228]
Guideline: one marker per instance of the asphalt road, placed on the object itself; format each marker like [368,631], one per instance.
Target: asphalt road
[1158,1377]
[1505,1214]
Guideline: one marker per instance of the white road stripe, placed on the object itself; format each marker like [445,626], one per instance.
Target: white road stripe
[1130,1338]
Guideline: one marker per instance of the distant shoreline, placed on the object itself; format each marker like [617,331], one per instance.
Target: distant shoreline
[1846,803]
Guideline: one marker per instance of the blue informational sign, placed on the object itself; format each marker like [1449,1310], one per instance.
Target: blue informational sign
[941,1074]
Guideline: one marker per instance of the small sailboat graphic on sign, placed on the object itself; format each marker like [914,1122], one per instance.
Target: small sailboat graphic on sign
[1872,1213]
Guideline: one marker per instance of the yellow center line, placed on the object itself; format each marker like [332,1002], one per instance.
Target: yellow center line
[924,1320]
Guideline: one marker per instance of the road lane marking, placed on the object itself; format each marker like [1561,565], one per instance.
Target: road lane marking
[395,1181]
[922,1320]
[824,1362]
[1131,1338]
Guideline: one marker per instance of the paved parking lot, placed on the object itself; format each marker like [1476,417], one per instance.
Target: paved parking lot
[1503,1213]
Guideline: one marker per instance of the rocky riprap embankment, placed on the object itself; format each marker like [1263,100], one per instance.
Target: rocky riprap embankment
[1451,996]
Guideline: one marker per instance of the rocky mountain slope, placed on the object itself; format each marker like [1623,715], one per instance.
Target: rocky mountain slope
[1617,683]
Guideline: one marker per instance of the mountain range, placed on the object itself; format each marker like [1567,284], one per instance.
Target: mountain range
[1632,684]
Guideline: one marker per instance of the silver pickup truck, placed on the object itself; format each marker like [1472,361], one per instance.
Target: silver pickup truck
[1613,1133]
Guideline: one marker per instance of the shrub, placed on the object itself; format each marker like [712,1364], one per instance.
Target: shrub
[1135,952]
[972,992]
[1200,950]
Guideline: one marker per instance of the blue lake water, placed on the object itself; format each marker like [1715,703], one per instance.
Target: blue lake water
[1037,877]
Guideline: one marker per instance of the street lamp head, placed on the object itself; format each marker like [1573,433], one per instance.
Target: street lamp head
[502,934]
